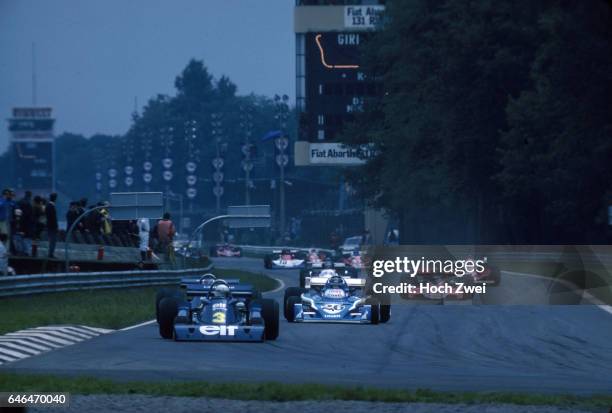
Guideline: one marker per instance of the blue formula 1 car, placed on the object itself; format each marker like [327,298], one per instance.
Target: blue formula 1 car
[333,299]
[218,310]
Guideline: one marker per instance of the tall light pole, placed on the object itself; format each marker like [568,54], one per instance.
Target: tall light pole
[246,124]
[193,157]
[282,159]
[217,132]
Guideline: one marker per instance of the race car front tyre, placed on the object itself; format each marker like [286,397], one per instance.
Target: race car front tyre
[268,262]
[213,251]
[270,313]
[163,293]
[290,308]
[291,292]
[168,309]
[385,313]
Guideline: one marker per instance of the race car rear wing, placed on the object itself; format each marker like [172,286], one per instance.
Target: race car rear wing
[237,290]
[336,265]
[320,281]
[280,251]
[195,280]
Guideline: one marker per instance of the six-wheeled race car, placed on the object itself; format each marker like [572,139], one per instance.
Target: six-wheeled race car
[211,309]
[334,299]
[225,250]
[285,258]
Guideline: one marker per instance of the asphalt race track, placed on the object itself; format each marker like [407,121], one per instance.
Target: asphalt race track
[530,348]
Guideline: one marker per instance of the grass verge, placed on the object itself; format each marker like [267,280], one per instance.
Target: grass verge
[112,308]
[272,391]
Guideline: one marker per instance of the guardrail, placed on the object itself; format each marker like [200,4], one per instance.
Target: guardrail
[44,283]
[257,249]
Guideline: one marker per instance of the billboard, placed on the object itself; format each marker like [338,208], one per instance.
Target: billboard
[32,149]
[260,213]
[135,205]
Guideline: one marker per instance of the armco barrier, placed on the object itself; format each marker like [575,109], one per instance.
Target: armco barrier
[45,283]
[260,250]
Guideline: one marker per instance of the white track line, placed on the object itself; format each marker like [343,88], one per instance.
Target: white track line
[279,288]
[138,325]
[588,296]
[36,340]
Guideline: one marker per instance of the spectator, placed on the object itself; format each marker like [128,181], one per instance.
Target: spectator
[27,220]
[81,208]
[366,238]
[106,225]
[72,215]
[52,227]
[18,231]
[334,240]
[165,234]
[154,238]
[94,221]
[143,233]
[6,212]
[39,216]
[3,254]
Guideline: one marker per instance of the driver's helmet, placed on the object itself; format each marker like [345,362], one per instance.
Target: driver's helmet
[221,291]
[207,279]
[328,264]
[286,252]
[335,287]
[327,273]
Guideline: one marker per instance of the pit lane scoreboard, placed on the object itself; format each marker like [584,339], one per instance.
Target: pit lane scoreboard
[331,81]
[32,149]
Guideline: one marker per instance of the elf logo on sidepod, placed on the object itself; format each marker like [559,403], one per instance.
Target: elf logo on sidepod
[218,330]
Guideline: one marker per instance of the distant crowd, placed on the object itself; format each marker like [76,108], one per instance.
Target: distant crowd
[29,219]
[24,220]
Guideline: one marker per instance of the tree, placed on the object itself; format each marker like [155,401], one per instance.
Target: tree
[556,153]
[448,70]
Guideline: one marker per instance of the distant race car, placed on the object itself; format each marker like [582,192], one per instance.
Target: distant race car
[326,269]
[285,258]
[316,257]
[225,250]
[433,285]
[211,309]
[334,299]
[352,258]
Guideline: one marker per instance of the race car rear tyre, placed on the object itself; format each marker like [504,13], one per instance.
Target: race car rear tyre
[163,293]
[291,292]
[270,314]
[268,262]
[375,311]
[289,311]
[168,309]
[385,313]
[213,251]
